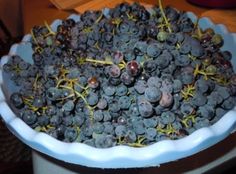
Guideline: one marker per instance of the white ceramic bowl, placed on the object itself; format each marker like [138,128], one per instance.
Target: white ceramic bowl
[119,156]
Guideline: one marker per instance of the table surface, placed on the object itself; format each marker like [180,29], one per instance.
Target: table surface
[38,11]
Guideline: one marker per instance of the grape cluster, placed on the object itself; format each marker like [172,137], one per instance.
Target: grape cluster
[125,78]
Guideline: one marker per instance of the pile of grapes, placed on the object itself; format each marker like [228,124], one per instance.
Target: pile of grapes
[129,77]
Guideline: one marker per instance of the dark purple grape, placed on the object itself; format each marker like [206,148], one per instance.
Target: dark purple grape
[131,136]
[102,103]
[55,120]
[68,106]
[43,120]
[70,134]
[140,86]
[152,31]
[186,108]
[126,78]
[17,100]
[140,48]
[78,120]
[67,120]
[98,127]
[115,81]
[121,90]
[153,50]
[227,55]
[114,71]
[114,106]
[151,134]
[152,94]
[38,102]
[199,99]
[149,66]
[124,27]
[167,117]
[120,130]
[53,93]
[145,108]
[124,102]
[206,111]
[29,117]
[92,98]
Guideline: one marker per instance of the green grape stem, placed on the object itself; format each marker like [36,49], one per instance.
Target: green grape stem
[79,95]
[138,143]
[99,18]
[98,61]
[87,30]
[35,81]
[131,17]
[37,48]
[187,118]
[116,22]
[33,37]
[202,72]
[168,130]
[164,16]
[188,91]
[49,29]
[121,65]
[192,57]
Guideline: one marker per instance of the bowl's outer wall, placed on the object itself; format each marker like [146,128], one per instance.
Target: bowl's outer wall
[119,156]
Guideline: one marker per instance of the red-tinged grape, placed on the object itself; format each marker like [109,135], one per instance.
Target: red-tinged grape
[133,68]
[227,64]
[221,62]
[183,132]
[93,82]
[166,99]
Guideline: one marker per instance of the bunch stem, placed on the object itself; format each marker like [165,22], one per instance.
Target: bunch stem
[164,16]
